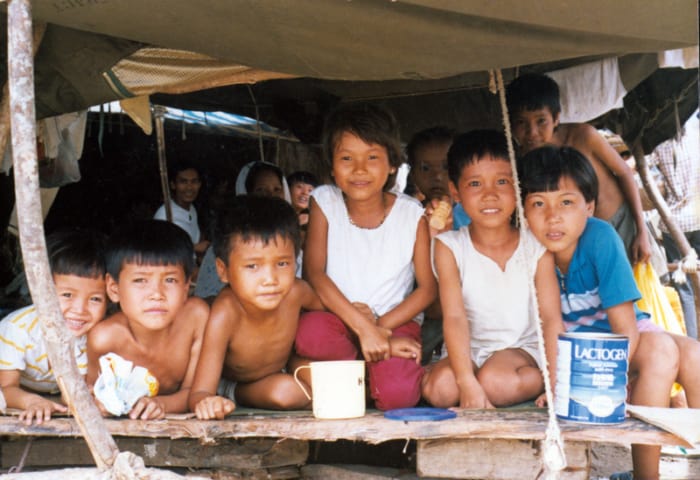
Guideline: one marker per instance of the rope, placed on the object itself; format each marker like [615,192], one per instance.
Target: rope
[553,456]
[688,264]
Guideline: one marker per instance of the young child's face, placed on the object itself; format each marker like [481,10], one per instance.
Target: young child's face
[267,184]
[83,301]
[430,170]
[558,218]
[259,274]
[186,187]
[534,128]
[300,193]
[150,295]
[486,191]
[360,169]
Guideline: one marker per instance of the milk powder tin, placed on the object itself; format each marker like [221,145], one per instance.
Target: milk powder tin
[591,377]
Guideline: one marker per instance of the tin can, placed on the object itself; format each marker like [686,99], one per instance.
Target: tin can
[591,377]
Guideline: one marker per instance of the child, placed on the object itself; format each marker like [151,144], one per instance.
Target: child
[253,321]
[77,265]
[301,185]
[427,156]
[596,284]
[365,248]
[492,356]
[149,266]
[533,102]
[185,182]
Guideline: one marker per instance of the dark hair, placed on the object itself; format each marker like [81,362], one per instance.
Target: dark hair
[252,217]
[540,170]
[150,242]
[532,91]
[372,123]
[256,169]
[472,146]
[429,136]
[76,252]
[302,177]
[180,166]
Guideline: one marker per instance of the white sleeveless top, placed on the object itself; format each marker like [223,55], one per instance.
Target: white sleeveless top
[498,303]
[372,266]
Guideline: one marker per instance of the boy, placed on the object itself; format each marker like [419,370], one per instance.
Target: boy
[77,264]
[253,322]
[149,266]
[185,182]
[597,288]
[533,103]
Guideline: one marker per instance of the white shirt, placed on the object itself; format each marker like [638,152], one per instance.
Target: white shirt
[371,266]
[185,219]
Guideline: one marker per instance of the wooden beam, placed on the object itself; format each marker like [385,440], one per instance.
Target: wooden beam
[58,340]
[496,459]
[373,428]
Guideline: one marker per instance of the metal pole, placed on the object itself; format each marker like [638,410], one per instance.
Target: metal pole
[158,113]
[59,341]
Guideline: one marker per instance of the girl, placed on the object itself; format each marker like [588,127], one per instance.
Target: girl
[365,250]
[483,271]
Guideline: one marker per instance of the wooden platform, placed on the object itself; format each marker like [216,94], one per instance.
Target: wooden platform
[477,442]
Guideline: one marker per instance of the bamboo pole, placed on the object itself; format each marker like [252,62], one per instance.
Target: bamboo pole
[158,113]
[59,341]
[665,213]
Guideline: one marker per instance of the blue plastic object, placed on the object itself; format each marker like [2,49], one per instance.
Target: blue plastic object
[420,414]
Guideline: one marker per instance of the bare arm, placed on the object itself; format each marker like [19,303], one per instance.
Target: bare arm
[34,406]
[309,298]
[426,286]
[623,321]
[373,339]
[217,336]
[550,313]
[603,152]
[456,329]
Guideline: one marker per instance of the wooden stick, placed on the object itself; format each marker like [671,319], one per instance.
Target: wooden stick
[59,342]
[665,213]
[158,113]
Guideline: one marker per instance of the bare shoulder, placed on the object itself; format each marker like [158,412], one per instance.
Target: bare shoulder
[580,136]
[195,309]
[226,308]
[109,331]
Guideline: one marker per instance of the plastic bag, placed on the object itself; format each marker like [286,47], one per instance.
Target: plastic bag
[655,301]
[120,384]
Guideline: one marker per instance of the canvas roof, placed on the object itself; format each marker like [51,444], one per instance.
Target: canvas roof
[426,59]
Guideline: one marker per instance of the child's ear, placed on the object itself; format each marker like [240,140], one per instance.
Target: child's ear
[454,193]
[221,270]
[590,208]
[555,118]
[112,288]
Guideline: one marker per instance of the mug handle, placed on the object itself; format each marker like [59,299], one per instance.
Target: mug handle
[299,381]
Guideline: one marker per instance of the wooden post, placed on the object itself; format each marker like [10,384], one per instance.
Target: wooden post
[662,207]
[59,341]
[158,113]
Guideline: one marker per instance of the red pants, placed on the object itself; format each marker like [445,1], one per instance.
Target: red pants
[394,383]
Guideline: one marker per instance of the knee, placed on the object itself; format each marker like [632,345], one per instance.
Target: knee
[439,388]
[657,354]
[288,396]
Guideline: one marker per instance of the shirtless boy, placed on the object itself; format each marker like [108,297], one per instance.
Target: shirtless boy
[253,322]
[149,266]
[533,102]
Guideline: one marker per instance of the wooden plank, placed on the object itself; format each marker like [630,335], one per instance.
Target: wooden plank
[495,459]
[372,428]
[243,454]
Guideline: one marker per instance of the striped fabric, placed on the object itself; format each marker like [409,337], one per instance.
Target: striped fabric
[22,348]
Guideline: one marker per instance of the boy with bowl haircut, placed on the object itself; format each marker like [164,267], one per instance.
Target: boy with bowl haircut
[253,322]
[149,267]
[597,288]
[533,103]
[77,265]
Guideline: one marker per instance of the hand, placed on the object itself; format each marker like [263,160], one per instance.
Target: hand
[430,208]
[147,408]
[541,401]
[472,395]
[405,347]
[39,409]
[641,248]
[214,407]
[374,342]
